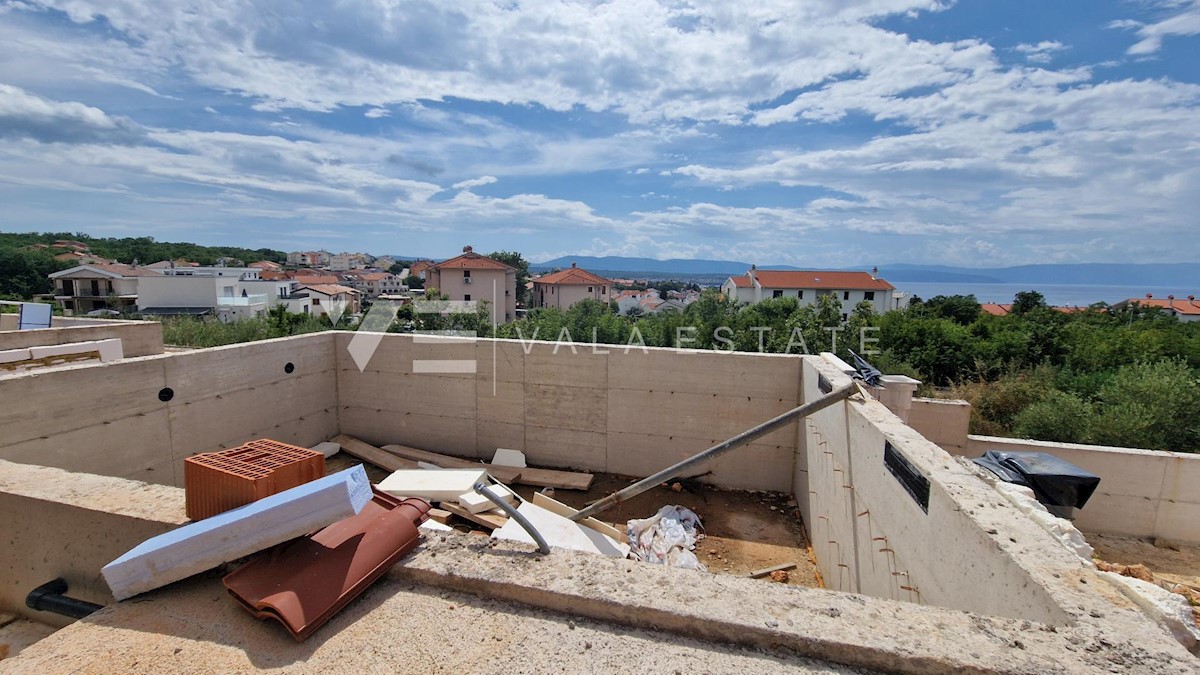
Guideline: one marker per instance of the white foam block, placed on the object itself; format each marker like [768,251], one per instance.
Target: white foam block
[507,457]
[328,448]
[203,545]
[436,485]
[475,502]
[559,532]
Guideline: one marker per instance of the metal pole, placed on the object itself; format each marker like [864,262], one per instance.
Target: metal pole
[696,461]
[515,515]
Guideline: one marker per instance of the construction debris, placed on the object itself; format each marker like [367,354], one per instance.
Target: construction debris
[779,576]
[215,482]
[328,448]
[667,538]
[309,580]
[507,457]
[440,485]
[567,480]
[369,453]
[476,503]
[560,532]
[771,570]
[488,520]
[203,545]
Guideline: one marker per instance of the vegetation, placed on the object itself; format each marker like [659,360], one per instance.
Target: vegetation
[514,259]
[200,332]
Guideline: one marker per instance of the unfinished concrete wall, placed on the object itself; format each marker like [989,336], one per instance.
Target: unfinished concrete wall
[69,525]
[596,408]
[138,338]
[947,539]
[1142,493]
[943,421]
[109,419]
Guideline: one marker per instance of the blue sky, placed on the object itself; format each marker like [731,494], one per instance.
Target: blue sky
[821,133]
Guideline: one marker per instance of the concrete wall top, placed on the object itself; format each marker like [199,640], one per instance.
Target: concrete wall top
[138,338]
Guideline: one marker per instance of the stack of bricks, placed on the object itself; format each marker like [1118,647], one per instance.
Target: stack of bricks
[216,482]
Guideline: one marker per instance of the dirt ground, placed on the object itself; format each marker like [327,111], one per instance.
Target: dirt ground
[1181,564]
[744,531]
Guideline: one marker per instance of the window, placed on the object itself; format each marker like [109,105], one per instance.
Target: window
[467,297]
[603,290]
[868,295]
[776,294]
[466,274]
[844,317]
[800,294]
[845,295]
[316,301]
[589,289]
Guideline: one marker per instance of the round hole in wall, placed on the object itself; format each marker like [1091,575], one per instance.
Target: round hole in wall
[289,368]
[166,394]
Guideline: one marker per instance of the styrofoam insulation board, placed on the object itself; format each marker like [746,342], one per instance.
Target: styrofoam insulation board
[475,502]
[436,485]
[327,448]
[508,457]
[200,546]
[559,532]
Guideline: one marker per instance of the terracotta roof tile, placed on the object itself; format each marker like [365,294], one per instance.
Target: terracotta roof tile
[471,261]
[822,279]
[574,276]
[1185,306]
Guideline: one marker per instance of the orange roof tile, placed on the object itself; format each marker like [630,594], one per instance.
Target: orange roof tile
[742,282]
[995,309]
[575,276]
[471,261]
[1187,306]
[821,279]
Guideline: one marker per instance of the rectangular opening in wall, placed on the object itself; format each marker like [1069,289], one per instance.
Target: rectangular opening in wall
[914,483]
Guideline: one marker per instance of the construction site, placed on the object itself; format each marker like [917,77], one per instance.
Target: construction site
[855,536]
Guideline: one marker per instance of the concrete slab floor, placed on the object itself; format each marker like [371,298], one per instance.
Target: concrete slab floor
[396,626]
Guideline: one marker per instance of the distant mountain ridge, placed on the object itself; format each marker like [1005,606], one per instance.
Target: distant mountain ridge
[1157,274]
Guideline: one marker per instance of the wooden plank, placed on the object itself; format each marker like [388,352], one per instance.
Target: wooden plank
[565,511]
[369,453]
[439,515]
[566,480]
[767,570]
[504,474]
[485,519]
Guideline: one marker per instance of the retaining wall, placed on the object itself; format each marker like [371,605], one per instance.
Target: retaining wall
[109,419]
[138,338]
[69,525]
[943,421]
[594,407]
[956,543]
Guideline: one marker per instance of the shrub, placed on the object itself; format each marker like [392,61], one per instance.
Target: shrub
[1058,416]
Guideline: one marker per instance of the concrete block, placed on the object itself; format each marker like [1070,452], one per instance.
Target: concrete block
[13,355]
[477,503]
[559,532]
[436,485]
[200,546]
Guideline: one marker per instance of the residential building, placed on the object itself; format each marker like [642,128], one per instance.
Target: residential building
[1184,310]
[229,293]
[89,287]
[172,264]
[418,267]
[565,288]
[332,300]
[385,262]
[348,261]
[849,288]
[81,258]
[1005,309]
[474,277]
[308,258]
[627,300]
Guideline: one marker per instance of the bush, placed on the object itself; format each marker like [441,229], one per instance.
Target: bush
[1058,416]
[1153,405]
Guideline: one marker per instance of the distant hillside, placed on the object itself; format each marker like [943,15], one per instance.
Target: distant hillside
[1160,274]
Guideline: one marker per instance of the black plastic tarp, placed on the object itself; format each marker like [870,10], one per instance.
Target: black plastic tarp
[1055,482]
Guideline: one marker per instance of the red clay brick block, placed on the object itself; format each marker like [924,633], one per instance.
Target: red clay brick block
[215,482]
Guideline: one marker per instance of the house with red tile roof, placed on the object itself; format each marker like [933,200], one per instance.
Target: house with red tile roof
[474,277]
[564,288]
[1184,310]
[850,288]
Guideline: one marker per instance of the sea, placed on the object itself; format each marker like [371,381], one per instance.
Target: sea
[1055,294]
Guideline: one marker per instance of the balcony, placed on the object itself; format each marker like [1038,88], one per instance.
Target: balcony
[243,301]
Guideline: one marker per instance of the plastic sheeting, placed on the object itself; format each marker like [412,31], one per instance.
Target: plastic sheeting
[667,538]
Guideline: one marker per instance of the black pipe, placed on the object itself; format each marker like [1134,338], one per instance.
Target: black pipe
[49,598]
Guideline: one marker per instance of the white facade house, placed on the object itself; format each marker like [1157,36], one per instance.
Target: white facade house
[91,287]
[228,293]
[849,288]
[342,262]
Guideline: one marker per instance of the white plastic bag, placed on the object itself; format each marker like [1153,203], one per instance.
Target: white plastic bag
[667,538]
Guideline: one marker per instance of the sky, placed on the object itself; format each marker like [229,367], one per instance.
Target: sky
[822,133]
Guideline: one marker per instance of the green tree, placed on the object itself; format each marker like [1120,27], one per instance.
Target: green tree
[514,260]
[1027,301]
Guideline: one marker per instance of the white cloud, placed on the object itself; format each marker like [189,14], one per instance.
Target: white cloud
[376,113]
[474,183]
[26,115]
[1183,19]
[1041,52]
